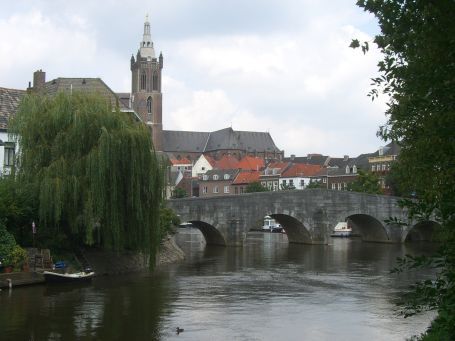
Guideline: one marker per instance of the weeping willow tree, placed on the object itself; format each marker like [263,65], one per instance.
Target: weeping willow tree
[97,176]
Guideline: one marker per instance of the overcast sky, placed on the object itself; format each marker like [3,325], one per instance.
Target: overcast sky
[279,66]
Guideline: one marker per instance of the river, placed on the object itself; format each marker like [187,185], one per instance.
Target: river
[266,290]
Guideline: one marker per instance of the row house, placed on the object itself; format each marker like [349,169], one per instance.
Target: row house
[217,182]
[270,177]
[243,179]
[336,178]
[381,162]
[9,102]
[298,176]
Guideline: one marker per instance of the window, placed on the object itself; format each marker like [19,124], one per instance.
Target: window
[204,189]
[236,190]
[149,105]
[373,168]
[339,186]
[354,169]
[143,80]
[215,177]
[384,167]
[263,183]
[202,168]
[347,170]
[241,190]
[226,189]
[226,176]
[345,185]
[324,180]
[9,156]
[215,189]
[333,185]
[205,177]
[284,182]
[302,183]
[155,81]
[291,182]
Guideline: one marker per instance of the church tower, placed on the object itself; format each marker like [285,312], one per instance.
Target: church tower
[146,86]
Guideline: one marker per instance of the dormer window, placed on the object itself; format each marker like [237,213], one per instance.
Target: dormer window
[205,177]
[354,169]
[347,170]
[226,176]
[215,177]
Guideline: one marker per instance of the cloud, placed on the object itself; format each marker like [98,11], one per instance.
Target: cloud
[284,67]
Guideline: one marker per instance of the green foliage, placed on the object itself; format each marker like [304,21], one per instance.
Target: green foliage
[418,75]
[366,182]
[18,257]
[255,187]
[18,207]
[316,184]
[287,187]
[7,244]
[96,177]
[168,221]
[178,193]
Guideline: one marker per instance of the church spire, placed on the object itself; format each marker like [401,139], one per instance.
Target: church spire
[146,45]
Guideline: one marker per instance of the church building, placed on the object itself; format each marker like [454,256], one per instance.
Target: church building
[146,102]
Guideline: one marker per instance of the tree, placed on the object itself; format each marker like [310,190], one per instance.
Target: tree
[96,175]
[366,182]
[417,41]
[255,187]
[179,193]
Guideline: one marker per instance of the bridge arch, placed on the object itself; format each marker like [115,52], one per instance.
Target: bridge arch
[423,231]
[211,234]
[368,227]
[296,231]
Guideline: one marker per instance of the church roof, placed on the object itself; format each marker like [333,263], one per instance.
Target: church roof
[224,139]
[184,141]
[88,85]
[9,103]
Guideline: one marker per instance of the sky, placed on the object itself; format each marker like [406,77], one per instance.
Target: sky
[284,66]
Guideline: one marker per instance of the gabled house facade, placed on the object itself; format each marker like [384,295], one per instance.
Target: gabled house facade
[217,182]
[203,164]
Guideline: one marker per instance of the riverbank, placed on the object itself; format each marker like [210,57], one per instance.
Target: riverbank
[106,263]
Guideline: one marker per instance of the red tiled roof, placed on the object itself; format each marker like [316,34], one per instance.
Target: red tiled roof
[227,162]
[210,159]
[183,161]
[299,169]
[246,177]
[279,165]
[251,163]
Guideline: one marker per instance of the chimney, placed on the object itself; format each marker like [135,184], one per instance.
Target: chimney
[292,157]
[346,158]
[39,78]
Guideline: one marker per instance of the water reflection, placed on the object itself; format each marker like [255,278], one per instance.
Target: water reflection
[266,290]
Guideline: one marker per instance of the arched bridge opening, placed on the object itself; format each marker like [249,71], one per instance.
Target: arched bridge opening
[368,228]
[296,231]
[211,234]
[428,231]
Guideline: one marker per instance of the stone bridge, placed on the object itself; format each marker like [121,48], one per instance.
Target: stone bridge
[308,216]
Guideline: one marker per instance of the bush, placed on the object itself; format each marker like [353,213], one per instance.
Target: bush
[18,257]
[7,244]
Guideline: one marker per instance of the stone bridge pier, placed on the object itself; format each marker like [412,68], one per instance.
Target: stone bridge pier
[308,216]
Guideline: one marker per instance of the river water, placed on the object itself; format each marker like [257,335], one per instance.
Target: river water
[266,290]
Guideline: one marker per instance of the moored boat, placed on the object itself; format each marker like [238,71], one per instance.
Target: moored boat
[55,277]
[270,225]
[342,229]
